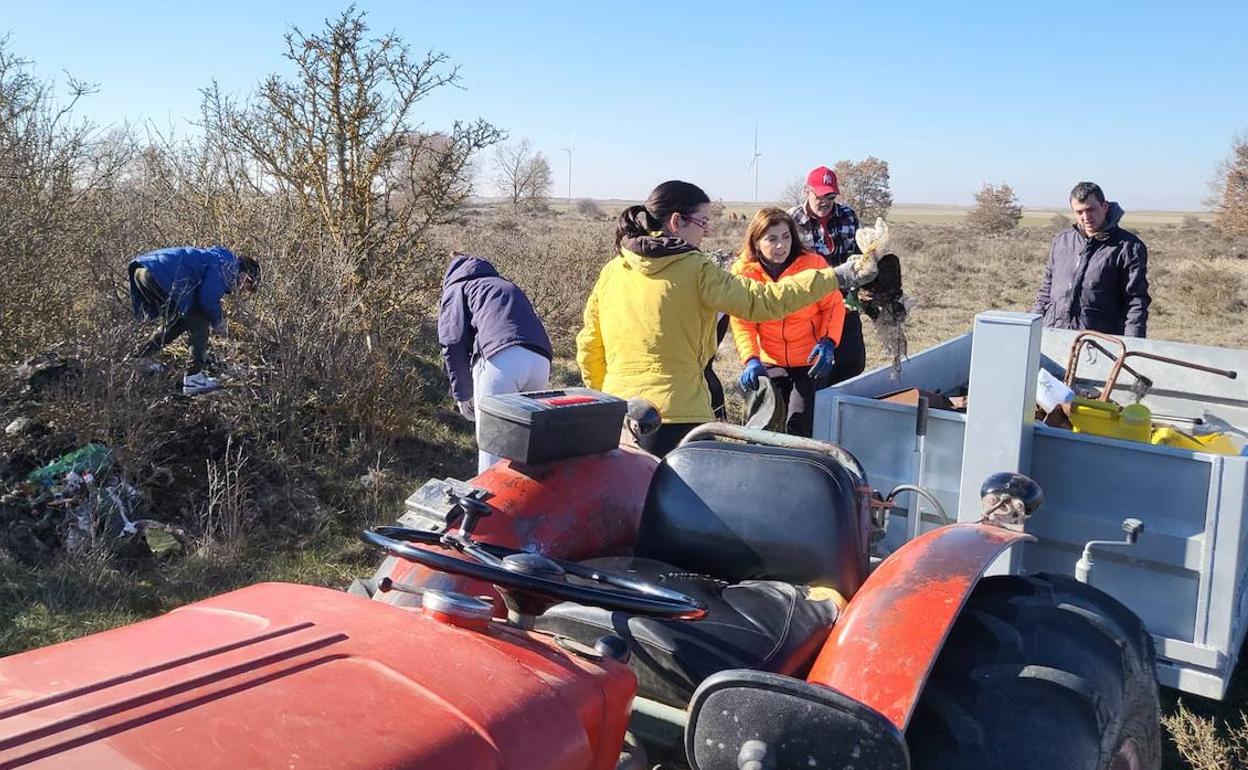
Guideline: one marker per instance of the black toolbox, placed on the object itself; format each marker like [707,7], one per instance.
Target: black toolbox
[549,425]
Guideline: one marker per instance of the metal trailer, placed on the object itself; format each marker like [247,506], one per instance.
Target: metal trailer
[1186,575]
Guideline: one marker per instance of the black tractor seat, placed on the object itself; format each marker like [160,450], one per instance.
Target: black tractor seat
[747,530]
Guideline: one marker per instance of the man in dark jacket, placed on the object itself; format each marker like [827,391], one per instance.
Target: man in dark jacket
[828,228]
[1097,274]
[182,288]
[487,325]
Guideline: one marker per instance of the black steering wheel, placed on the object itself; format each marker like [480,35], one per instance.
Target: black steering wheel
[532,575]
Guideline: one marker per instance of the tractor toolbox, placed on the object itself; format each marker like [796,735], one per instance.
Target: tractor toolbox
[550,425]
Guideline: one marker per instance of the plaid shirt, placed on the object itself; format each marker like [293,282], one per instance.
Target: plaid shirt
[840,230]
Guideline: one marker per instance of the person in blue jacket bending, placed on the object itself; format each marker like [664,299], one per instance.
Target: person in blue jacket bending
[182,289]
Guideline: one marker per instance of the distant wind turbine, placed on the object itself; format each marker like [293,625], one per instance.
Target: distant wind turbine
[754,162]
[569,150]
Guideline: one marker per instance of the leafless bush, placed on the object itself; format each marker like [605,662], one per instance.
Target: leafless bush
[523,175]
[1231,189]
[996,210]
[340,142]
[57,176]
[864,187]
[227,509]
[587,207]
[1203,745]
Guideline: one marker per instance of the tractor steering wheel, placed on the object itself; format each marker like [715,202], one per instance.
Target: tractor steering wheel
[533,575]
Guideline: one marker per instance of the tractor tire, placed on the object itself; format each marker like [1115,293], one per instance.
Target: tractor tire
[1038,673]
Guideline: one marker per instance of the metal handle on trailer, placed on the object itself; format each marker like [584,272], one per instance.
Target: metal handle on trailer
[1090,338]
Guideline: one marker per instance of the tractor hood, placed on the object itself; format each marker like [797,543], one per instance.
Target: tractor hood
[284,676]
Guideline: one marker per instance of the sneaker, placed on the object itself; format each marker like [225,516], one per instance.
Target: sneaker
[194,384]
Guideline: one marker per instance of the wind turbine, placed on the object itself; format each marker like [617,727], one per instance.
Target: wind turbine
[754,162]
[569,150]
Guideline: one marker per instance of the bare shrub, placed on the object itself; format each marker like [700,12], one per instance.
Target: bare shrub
[588,207]
[794,193]
[864,187]
[57,173]
[340,140]
[996,210]
[1203,745]
[227,509]
[1231,189]
[523,175]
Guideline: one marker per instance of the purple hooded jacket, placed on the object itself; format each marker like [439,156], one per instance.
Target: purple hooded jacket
[1099,284]
[481,314]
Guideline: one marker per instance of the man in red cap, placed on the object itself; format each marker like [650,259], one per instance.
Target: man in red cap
[828,228]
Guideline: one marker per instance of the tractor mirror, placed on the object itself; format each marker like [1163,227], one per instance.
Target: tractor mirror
[754,719]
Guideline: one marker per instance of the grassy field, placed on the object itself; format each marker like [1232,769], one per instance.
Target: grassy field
[338,440]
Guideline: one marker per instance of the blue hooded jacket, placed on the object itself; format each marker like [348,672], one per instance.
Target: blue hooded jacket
[193,279]
[481,314]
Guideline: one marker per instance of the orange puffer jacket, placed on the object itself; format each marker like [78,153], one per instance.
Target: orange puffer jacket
[788,342]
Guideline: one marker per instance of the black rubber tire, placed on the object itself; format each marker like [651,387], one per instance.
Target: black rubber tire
[1039,673]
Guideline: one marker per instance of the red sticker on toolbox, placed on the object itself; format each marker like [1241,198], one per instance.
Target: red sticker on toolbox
[567,400]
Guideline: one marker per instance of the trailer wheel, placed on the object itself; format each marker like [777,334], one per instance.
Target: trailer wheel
[1040,672]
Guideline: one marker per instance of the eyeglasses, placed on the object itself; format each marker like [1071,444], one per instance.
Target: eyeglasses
[829,198]
[701,223]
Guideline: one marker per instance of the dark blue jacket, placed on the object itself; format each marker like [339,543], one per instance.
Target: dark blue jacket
[193,279]
[480,315]
[1098,283]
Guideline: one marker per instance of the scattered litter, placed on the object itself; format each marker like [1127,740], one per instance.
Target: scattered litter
[19,426]
[95,459]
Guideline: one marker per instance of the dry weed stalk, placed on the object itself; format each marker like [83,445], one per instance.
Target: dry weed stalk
[227,510]
[1203,745]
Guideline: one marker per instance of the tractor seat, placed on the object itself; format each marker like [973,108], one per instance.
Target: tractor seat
[746,530]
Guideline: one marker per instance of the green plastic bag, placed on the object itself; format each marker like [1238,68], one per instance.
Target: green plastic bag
[93,458]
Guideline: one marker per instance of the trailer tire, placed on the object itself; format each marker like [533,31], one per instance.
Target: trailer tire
[1040,672]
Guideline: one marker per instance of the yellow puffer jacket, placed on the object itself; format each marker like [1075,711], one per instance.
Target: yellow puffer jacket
[650,322]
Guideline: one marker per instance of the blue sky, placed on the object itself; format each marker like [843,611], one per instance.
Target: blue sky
[1142,97]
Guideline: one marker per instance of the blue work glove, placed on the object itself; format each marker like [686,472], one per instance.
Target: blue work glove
[822,358]
[749,378]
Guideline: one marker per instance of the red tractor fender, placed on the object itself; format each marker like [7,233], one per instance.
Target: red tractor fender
[887,639]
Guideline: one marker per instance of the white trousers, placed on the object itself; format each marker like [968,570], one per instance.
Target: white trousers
[512,370]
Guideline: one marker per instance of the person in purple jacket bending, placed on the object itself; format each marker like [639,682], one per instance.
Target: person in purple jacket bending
[492,340]
[182,289]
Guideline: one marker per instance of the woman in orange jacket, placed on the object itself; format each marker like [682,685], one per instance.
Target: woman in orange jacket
[798,351]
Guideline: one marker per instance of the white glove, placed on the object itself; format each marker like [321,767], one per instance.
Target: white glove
[467,410]
[862,268]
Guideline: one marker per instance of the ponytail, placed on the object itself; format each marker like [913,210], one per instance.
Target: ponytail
[673,197]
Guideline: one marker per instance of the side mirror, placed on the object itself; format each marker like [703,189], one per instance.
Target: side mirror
[754,720]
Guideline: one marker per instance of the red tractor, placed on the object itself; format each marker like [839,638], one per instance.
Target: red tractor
[717,610]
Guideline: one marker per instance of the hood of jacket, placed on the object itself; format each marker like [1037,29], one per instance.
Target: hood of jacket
[464,267]
[651,254]
[1112,218]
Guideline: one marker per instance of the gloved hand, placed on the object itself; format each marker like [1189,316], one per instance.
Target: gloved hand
[855,271]
[822,358]
[467,410]
[749,378]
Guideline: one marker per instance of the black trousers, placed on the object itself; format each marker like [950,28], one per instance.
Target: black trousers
[666,437]
[797,388]
[172,323]
[851,354]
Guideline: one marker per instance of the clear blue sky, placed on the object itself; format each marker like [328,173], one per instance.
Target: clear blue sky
[1142,97]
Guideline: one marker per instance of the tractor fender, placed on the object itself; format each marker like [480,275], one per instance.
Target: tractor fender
[887,639]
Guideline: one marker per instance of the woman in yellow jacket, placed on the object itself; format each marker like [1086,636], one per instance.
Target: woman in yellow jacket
[650,320]
[796,352]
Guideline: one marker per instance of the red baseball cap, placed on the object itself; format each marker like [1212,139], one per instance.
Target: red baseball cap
[822,181]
